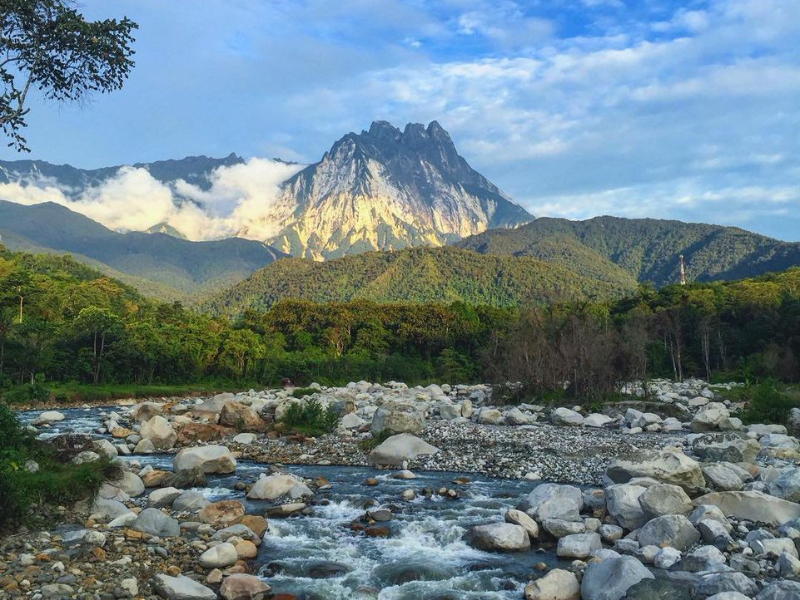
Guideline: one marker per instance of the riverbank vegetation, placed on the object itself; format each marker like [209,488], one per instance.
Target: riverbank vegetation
[32,475]
[68,332]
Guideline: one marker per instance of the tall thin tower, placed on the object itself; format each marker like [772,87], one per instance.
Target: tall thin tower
[683,271]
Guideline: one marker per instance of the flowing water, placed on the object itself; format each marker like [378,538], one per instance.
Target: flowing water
[319,556]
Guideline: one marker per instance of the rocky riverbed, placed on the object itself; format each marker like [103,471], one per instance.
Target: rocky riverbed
[437,492]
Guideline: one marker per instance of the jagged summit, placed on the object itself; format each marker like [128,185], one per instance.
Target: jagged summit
[387,189]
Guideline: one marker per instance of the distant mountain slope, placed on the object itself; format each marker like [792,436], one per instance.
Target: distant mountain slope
[188,268]
[418,275]
[647,248]
[73,181]
[385,189]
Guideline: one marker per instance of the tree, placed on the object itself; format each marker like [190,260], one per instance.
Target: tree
[100,324]
[48,45]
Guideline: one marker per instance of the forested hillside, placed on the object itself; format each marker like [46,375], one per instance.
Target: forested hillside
[61,321]
[160,265]
[649,249]
[420,275]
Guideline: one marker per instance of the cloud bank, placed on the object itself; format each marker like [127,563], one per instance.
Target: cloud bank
[133,200]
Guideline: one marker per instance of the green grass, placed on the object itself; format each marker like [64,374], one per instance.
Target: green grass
[302,392]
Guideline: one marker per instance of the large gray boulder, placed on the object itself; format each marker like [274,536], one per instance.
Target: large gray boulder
[553,501]
[716,583]
[154,522]
[665,499]
[722,478]
[623,503]
[181,588]
[710,417]
[786,486]
[669,530]
[397,417]
[611,579]
[780,590]
[211,459]
[277,486]
[558,584]
[159,431]
[219,556]
[190,501]
[669,466]
[503,537]
[752,506]
[399,448]
[565,416]
[578,545]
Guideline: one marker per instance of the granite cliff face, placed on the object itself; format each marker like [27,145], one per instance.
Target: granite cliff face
[387,189]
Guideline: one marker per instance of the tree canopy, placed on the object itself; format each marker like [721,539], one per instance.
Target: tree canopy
[49,46]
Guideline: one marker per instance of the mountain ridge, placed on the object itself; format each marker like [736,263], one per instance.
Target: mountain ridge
[649,249]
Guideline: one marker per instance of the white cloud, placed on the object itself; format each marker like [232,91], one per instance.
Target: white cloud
[132,200]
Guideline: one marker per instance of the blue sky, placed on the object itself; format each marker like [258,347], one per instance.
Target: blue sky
[686,110]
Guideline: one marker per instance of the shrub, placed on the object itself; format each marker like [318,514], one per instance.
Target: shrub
[303,392]
[768,403]
[28,393]
[310,418]
[52,483]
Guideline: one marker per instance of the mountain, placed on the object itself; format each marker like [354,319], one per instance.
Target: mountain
[166,229]
[386,189]
[156,263]
[648,249]
[445,274]
[72,181]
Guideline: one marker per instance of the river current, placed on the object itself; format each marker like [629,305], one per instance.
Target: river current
[320,557]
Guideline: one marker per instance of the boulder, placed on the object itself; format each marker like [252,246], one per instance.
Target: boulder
[597,420]
[558,584]
[277,486]
[245,438]
[193,432]
[144,411]
[190,501]
[727,447]
[517,517]
[181,588]
[154,522]
[256,524]
[163,497]
[351,421]
[239,530]
[399,448]
[219,556]
[186,478]
[669,530]
[502,537]
[145,447]
[553,501]
[665,499]
[108,509]
[490,416]
[710,417]
[47,417]
[669,466]
[722,478]
[516,417]
[578,545]
[611,579]
[241,417]
[786,485]
[397,417]
[224,512]
[752,506]
[159,431]
[716,583]
[105,448]
[565,416]
[211,459]
[241,586]
[623,503]
[780,590]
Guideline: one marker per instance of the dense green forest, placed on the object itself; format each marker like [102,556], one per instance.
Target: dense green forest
[421,275]
[61,321]
[648,249]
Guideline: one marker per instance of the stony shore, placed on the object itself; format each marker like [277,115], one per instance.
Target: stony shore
[684,501]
